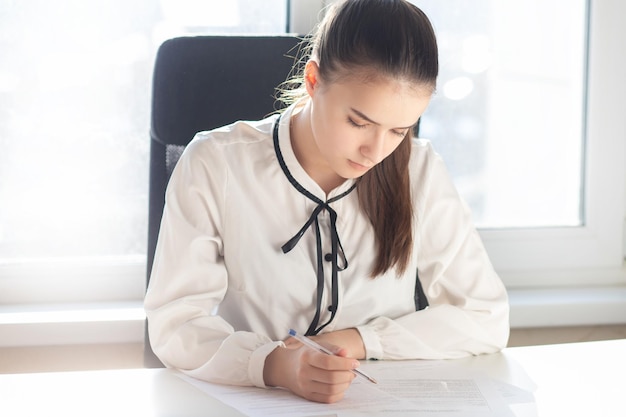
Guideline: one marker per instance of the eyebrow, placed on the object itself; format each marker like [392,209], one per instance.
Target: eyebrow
[364,117]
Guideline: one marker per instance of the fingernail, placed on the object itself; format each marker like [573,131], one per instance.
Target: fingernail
[355,364]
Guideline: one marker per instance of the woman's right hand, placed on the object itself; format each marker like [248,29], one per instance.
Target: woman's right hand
[310,374]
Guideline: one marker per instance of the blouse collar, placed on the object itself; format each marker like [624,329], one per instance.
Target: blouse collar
[292,163]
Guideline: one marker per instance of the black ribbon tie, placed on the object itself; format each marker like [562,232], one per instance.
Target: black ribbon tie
[336,248]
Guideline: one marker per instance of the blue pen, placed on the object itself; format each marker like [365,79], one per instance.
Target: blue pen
[310,343]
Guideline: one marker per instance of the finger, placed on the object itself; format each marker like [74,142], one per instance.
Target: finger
[321,392]
[328,390]
[292,342]
[332,362]
[338,351]
[326,369]
[319,383]
[324,376]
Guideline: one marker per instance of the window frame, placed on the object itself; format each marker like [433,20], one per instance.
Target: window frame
[591,254]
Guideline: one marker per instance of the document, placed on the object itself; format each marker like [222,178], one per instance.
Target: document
[405,388]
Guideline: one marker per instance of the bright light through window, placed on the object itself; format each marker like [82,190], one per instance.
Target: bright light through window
[508,119]
[75,90]
[508,114]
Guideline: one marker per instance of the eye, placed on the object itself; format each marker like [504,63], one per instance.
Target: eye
[400,133]
[355,124]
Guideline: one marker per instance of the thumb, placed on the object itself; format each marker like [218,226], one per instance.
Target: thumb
[336,350]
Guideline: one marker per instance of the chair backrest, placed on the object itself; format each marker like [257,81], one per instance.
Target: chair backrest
[204,82]
[201,83]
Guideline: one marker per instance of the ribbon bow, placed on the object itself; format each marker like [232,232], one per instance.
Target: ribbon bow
[336,247]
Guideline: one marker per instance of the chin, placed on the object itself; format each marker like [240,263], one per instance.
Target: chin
[357,170]
[352,175]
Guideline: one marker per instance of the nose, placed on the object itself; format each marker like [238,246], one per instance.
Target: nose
[374,148]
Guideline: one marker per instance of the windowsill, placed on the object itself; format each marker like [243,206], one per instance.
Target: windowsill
[551,307]
[124,322]
[72,324]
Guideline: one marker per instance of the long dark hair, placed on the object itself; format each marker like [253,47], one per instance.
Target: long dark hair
[388,38]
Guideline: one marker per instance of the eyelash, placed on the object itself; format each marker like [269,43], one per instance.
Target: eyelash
[358,126]
[355,124]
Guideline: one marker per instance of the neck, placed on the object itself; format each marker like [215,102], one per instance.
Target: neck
[308,154]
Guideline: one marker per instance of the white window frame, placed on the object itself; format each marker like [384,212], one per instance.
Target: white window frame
[577,276]
[592,254]
[555,276]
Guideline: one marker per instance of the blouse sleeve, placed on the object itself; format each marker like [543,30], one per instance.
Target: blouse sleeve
[189,280]
[468,311]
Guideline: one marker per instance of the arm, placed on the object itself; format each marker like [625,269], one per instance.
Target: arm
[468,313]
[189,280]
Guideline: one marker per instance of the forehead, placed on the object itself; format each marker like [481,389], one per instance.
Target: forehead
[367,75]
[385,100]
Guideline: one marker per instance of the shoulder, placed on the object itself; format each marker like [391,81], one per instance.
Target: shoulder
[423,148]
[234,135]
[424,158]
[210,153]
[428,172]
[229,144]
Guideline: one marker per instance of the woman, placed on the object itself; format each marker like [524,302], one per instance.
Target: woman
[318,220]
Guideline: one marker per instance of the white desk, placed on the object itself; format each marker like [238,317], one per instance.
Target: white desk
[579,379]
[582,379]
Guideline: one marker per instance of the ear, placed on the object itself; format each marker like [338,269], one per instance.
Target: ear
[311,77]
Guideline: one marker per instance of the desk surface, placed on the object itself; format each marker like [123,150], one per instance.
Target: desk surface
[569,380]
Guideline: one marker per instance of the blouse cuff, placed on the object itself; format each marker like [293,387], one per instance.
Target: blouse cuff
[257,362]
[371,341]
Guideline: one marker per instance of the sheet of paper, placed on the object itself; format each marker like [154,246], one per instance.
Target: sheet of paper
[415,388]
[441,389]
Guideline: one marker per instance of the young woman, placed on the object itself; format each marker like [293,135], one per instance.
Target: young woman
[320,219]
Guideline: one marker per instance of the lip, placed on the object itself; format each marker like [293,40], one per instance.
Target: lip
[358,166]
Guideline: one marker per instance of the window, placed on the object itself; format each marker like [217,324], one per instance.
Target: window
[521,117]
[535,143]
[511,91]
[75,88]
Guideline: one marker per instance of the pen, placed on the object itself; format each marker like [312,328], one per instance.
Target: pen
[310,343]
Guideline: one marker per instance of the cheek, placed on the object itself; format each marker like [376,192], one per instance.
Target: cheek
[392,146]
[348,140]
[397,142]
[337,138]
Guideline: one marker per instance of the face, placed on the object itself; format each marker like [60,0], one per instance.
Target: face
[357,122]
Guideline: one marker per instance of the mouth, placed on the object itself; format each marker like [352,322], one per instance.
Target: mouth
[357,166]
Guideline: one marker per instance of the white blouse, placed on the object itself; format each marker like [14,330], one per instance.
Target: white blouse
[223,294]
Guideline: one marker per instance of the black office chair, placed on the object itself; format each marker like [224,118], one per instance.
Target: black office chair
[204,82]
[201,83]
